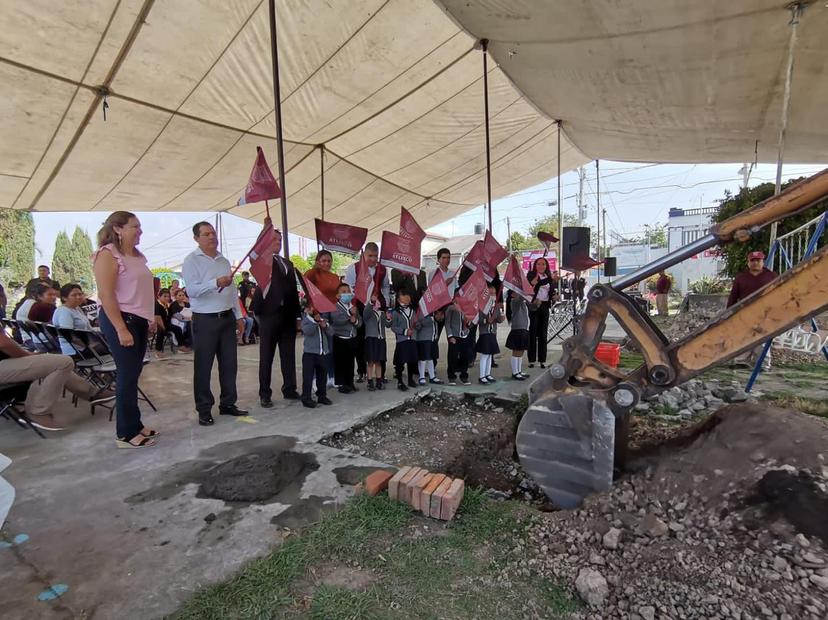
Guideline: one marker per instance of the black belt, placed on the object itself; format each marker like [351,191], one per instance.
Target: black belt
[218,315]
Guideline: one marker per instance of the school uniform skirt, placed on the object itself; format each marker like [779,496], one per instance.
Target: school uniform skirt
[487,344]
[427,350]
[518,340]
[374,350]
[405,353]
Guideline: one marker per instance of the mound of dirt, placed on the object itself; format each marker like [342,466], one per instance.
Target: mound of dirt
[722,521]
[257,476]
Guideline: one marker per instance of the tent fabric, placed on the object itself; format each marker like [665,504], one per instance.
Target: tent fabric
[664,80]
[393,89]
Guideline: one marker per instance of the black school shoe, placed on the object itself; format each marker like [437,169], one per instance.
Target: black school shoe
[206,419]
[412,382]
[402,387]
[371,386]
[309,403]
[323,400]
[234,411]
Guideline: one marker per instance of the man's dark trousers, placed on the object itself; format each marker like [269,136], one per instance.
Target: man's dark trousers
[314,366]
[277,330]
[214,336]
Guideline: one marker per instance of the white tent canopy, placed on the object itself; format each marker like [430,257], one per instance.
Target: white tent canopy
[392,89]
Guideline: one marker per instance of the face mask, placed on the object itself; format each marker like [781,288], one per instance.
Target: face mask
[403,305]
[346,298]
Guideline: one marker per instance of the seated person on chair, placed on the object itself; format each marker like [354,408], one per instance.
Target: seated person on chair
[49,374]
[165,327]
[70,316]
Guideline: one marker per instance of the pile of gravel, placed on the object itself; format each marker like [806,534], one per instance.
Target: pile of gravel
[693,399]
[686,538]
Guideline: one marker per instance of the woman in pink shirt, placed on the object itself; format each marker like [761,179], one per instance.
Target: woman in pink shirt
[126,295]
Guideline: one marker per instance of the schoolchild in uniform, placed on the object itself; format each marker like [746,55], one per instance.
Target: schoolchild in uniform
[317,329]
[346,320]
[426,332]
[376,319]
[487,339]
[457,332]
[518,339]
[405,353]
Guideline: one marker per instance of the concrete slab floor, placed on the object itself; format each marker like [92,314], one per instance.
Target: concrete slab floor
[125,530]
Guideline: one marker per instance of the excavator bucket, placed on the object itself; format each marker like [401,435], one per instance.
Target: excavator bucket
[565,442]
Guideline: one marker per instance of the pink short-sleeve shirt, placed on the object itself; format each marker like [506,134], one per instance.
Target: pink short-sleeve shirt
[133,285]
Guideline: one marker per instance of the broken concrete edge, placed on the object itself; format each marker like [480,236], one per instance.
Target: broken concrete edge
[495,397]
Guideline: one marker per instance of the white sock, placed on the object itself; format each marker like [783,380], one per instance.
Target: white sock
[483,359]
[430,368]
[489,359]
[421,367]
[515,365]
[520,364]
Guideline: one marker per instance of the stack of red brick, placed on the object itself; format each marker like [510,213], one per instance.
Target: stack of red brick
[435,495]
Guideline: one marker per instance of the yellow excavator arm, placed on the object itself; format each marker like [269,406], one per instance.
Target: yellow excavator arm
[574,433]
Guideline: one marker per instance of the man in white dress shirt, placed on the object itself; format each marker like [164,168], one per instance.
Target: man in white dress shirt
[379,274]
[450,276]
[216,321]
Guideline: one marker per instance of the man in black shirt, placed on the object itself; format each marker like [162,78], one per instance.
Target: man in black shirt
[43,277]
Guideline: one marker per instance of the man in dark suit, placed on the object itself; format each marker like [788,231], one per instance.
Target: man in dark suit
[402,280]
[277,312]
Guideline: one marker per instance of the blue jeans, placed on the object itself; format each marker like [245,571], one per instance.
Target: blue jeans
[248,327]
[129,362]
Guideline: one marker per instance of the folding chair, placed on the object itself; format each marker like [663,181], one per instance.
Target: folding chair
[12,395]
[104,371]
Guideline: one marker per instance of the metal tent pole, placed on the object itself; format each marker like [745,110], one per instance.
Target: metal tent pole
[560,201]
[277,108]
[598,215]
[796,9]
[322,178]
[485,45]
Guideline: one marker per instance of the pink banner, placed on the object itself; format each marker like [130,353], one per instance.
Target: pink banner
[409,228]
[400,253]
[363,280]
[319,302]
[476,261]
[529,258]
[546,238]
[261,185]
[340,237]
[261,259]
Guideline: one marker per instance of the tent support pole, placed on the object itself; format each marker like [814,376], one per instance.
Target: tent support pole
[598,215]
[560,200]
[796,9]
[277,108]
[485,45]
[322,179]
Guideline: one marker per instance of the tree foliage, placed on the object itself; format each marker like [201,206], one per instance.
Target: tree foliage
[17,249]
[71,259]
[735,254]
[549,224]
[657,236]
[340,261]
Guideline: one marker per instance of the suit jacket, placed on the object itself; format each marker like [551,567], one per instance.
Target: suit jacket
[282,297]
[402,279]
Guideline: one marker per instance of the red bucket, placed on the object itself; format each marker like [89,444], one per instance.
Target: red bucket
[608,353]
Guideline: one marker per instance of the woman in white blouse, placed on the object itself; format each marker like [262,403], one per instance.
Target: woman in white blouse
[69,315]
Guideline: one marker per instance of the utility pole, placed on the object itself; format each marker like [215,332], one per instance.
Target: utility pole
[604,215]
[509,235]
[581,205]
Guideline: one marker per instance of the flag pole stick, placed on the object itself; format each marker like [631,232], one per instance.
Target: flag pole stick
[267,209]
[277,108]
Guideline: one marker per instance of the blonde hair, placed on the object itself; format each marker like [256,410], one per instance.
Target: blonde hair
[107,232]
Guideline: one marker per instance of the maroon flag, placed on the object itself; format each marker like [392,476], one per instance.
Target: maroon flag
[363,280]
[473,297]
[476,260]
[409,228]
[261,259]
[262,185]
[436,295]
[319,302]
[547,239]
[400,253]
[515,280]
[340,237]
[493,252]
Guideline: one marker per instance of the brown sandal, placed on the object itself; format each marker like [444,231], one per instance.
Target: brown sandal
[150,433]
[145,442]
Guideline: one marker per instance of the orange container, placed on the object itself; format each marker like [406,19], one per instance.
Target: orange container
[608,353]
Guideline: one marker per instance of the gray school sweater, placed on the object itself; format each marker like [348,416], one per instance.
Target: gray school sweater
[375,322]
[341,319]
[426,329]
[520,313]
[485,328]
[454,323]
[401,320]
[316,338]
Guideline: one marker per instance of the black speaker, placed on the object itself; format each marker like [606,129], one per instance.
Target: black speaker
[574,247]
[610,266]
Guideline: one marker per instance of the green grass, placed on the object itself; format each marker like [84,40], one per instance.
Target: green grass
[450,572]
[630,361]
[788,400]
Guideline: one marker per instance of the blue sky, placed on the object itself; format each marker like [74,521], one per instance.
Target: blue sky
[634,194]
